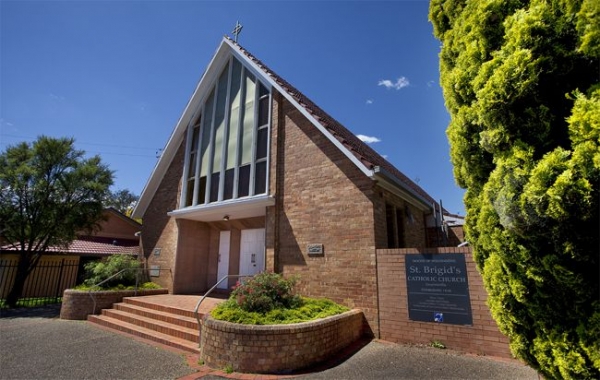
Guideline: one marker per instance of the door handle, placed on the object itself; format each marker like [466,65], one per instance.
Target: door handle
[253,258]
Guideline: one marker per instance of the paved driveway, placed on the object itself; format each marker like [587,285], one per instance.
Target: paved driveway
[45,347]
[35,344]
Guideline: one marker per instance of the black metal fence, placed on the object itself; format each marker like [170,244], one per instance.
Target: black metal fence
[45,284]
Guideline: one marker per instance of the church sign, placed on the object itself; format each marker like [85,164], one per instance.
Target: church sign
[438,288]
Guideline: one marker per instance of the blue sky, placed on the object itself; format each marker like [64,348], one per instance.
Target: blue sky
[116,75]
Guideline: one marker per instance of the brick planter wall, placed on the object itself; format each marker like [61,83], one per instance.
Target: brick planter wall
[481,338]
[277,348]
[78,304]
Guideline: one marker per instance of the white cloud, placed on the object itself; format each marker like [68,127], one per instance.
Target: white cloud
[368,139]
[400,83]
[430,83]
[369,101]
[57,98]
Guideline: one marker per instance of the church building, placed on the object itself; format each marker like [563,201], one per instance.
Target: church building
[256,177]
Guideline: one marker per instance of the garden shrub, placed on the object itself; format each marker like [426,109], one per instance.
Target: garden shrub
[266,291]
[268,299]
[98,271]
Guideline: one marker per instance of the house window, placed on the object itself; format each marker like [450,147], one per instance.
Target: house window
[228,143]
[395,226]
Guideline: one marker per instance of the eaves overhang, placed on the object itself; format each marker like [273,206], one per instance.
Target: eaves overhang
[389,182]
[232,209]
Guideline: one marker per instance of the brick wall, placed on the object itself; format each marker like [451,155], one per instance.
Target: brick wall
[321,198]
[77,304]
[277,348]
[482,338]
[159,230]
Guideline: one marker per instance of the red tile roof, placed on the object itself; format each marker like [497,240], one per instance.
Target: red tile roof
[94,246]
[369,157]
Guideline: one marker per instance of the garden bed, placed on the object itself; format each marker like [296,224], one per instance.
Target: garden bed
[78,304]
[277,348]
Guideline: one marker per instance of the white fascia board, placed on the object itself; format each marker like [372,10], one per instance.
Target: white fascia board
[266,78]
[202,90]
[241,208]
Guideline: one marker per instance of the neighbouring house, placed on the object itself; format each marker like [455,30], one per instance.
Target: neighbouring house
[256,177]
[62,268]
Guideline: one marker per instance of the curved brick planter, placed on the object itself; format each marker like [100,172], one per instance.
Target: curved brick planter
[78,304]
[277,348]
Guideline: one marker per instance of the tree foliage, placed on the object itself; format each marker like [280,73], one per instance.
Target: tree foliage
[521,83]
[49,192]
[122,200]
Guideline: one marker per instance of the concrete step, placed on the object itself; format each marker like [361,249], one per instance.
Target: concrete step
[145,333]
[171,318]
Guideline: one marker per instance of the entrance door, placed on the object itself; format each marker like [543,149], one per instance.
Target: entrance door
[223,268]
[252,251]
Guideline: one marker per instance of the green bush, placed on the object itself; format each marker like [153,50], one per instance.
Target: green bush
[98,271]
[144,286]
[521,84]
[264,292]
[309,310]
[268,299]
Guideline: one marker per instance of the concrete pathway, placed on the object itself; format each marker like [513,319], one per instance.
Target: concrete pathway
[35,344]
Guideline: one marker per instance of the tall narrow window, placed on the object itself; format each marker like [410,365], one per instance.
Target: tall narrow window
[228,155]
[195,135]
[234,127]
[395,226]
[262,141]
[205,149]
[246,135]
[219,133]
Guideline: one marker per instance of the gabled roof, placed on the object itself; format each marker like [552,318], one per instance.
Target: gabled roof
[91,246]
[364,157]
[120,215]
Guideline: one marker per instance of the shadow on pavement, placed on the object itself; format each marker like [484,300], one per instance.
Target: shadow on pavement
[48,311]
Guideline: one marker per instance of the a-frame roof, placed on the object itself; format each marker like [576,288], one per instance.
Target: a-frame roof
[364,157]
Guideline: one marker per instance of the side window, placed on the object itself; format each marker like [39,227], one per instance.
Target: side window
[394,217]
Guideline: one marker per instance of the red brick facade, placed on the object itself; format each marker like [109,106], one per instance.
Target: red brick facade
[482,338]
[320,194]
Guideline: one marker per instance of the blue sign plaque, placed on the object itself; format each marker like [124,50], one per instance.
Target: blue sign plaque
[438,288]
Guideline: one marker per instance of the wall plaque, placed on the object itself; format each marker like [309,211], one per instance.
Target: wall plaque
[154,270]
[438,288]
[315,249]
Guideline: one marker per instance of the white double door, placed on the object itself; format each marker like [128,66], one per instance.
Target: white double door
[252,253]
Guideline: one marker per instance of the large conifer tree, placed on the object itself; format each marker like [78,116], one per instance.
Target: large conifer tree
[521,83]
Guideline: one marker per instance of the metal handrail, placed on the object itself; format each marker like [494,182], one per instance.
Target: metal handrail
[210,291]
[137,279]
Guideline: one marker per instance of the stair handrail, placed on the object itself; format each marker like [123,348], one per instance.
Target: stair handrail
[210,291]
[137,279]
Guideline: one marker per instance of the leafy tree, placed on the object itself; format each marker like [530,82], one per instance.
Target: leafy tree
[521,83]
[49,191]
[122,200]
